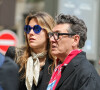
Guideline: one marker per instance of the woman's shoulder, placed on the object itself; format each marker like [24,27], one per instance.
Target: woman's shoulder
[19,51]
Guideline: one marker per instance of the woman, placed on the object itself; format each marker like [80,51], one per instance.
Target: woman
[35,59]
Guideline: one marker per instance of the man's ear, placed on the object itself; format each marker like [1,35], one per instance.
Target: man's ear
[76,39]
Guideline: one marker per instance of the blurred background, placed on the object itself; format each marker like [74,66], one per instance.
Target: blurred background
[14,12]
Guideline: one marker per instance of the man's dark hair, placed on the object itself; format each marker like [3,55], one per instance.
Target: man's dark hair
[77,26]
[11,52]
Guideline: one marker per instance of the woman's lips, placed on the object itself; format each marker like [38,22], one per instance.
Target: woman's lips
[31,39]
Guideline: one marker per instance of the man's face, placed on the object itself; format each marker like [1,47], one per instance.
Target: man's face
[64,44]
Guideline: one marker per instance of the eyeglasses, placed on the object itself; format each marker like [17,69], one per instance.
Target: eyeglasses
[37,29]
[56,34]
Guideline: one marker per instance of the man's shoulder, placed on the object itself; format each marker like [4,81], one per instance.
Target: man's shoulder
[9,75]
[2,58]
[9,64]
[86,70]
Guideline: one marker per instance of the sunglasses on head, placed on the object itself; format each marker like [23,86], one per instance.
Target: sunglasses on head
[37,29]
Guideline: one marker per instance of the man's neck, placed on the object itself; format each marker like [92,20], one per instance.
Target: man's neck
[63,56]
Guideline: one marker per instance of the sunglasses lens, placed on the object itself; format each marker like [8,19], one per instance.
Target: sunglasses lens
[37,29]
[27,29]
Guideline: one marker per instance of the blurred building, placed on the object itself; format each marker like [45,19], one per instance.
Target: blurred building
[13,13]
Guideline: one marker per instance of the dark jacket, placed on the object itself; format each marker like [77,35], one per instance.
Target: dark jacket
[44,77]
[79,74]
[9,75]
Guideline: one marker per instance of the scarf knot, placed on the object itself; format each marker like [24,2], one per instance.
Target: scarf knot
[39,55]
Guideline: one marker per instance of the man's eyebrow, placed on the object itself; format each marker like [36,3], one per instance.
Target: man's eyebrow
[57,31]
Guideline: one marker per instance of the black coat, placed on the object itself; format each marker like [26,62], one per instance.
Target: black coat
[43,78]
[9,75]
[79,74]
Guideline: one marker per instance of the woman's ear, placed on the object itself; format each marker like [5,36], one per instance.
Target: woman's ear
[76,39]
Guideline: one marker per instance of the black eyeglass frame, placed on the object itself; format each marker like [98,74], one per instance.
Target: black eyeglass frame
[50,34]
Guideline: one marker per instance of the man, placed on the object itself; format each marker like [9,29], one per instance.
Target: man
[1,59]
[73,71]
[8,74]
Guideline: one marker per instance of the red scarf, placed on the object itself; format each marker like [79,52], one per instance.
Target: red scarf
[57,72]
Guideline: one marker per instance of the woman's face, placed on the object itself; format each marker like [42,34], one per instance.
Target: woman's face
[37,42]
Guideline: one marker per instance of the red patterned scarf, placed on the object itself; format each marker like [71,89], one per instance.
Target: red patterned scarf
[57,72]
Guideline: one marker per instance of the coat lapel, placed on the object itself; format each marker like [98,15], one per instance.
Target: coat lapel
[46,74]
[66,73]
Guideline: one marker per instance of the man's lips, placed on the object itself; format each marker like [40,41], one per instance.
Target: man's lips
[53,46]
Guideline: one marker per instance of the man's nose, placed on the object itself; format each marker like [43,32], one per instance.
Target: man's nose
[52,39]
